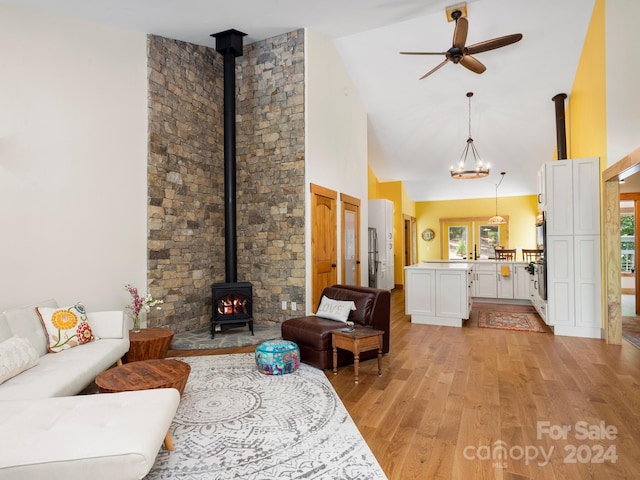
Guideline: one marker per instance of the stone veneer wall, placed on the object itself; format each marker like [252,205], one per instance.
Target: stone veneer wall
[186,184]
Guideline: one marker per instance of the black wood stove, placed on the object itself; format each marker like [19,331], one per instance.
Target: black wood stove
[232,306]
[232,302]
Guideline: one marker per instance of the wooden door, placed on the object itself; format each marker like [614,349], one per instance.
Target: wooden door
[323,241]
[350,240]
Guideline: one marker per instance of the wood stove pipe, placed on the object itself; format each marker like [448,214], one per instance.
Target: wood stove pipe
[229,45]
[561,132]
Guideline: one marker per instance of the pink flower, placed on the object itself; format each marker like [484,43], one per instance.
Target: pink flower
[138,302]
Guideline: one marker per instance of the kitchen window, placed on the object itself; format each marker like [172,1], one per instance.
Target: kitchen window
[471,238]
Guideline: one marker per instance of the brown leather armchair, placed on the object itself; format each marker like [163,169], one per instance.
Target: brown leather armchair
[312,334]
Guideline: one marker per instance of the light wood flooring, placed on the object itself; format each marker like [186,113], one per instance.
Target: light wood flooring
[450,398]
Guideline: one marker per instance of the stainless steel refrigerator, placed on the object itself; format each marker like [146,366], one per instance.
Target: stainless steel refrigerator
[374,262]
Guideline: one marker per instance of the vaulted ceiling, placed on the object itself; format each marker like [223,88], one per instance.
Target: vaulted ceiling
[417,128]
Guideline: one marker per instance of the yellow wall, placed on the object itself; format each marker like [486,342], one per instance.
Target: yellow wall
[402,205]
[586,107]
[520,210]
[373,184]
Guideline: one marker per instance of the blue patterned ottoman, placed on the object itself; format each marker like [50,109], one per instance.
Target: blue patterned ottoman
[277,357]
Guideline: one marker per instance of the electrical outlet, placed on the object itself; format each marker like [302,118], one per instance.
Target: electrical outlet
[293,306]
[284,304]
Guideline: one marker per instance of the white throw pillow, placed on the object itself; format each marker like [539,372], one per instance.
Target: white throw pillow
[16,355]
[335,309]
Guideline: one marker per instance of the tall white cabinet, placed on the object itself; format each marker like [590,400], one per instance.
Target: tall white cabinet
[381,218]
[569,194]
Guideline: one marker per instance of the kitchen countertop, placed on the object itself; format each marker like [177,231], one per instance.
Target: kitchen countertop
[442,265]
[484,260]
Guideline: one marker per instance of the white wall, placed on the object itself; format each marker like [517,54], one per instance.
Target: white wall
[623,78]
[336,139]
[73,156]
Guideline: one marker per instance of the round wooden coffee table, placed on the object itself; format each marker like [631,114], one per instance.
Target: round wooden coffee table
[144,375]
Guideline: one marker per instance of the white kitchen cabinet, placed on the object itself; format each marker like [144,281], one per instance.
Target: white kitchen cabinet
[485,280]
[505,274]
[521,279]
[574,286]
[490,282]
[438,293]
[538,303]
[571,196]
[558,198]
[420,291]
[381,218]
[542,204]
[586,196]
[572,249]
[559,264]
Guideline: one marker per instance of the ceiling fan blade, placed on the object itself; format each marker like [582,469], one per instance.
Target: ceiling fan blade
[460,33]
[433,70]
[493,43]
[422,53]
[472,64]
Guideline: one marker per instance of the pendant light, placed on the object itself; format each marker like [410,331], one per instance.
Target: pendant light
[462,172]
[497,219]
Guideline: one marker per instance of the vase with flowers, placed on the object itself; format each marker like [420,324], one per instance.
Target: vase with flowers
[140,303]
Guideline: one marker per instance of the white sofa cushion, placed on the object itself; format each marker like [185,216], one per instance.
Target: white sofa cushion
[108,324]
[24,322]
[109,436]
[65,373]
[16,356]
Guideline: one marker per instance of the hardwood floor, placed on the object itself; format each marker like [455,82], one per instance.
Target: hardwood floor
[449,396]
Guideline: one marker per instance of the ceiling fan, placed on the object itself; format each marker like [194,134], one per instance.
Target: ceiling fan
[459,53]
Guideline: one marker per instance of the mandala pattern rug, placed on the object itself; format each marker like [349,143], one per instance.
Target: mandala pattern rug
[522,321]
[234,422]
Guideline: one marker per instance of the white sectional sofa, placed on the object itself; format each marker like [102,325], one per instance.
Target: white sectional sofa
[49,431]
[67,372]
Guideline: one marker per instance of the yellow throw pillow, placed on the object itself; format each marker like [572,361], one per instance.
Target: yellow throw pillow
[65,327]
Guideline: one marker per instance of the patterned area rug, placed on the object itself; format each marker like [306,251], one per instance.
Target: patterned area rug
[234,422]
[521,321]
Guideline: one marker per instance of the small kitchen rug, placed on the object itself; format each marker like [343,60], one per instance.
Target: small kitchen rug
[521,321]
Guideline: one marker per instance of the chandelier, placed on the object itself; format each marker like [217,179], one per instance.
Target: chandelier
[497,219]
[462,172]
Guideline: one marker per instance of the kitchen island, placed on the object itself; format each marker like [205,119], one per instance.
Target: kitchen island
[439,293]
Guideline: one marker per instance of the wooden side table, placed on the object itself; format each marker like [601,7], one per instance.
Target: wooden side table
[359,340]
[148,344]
